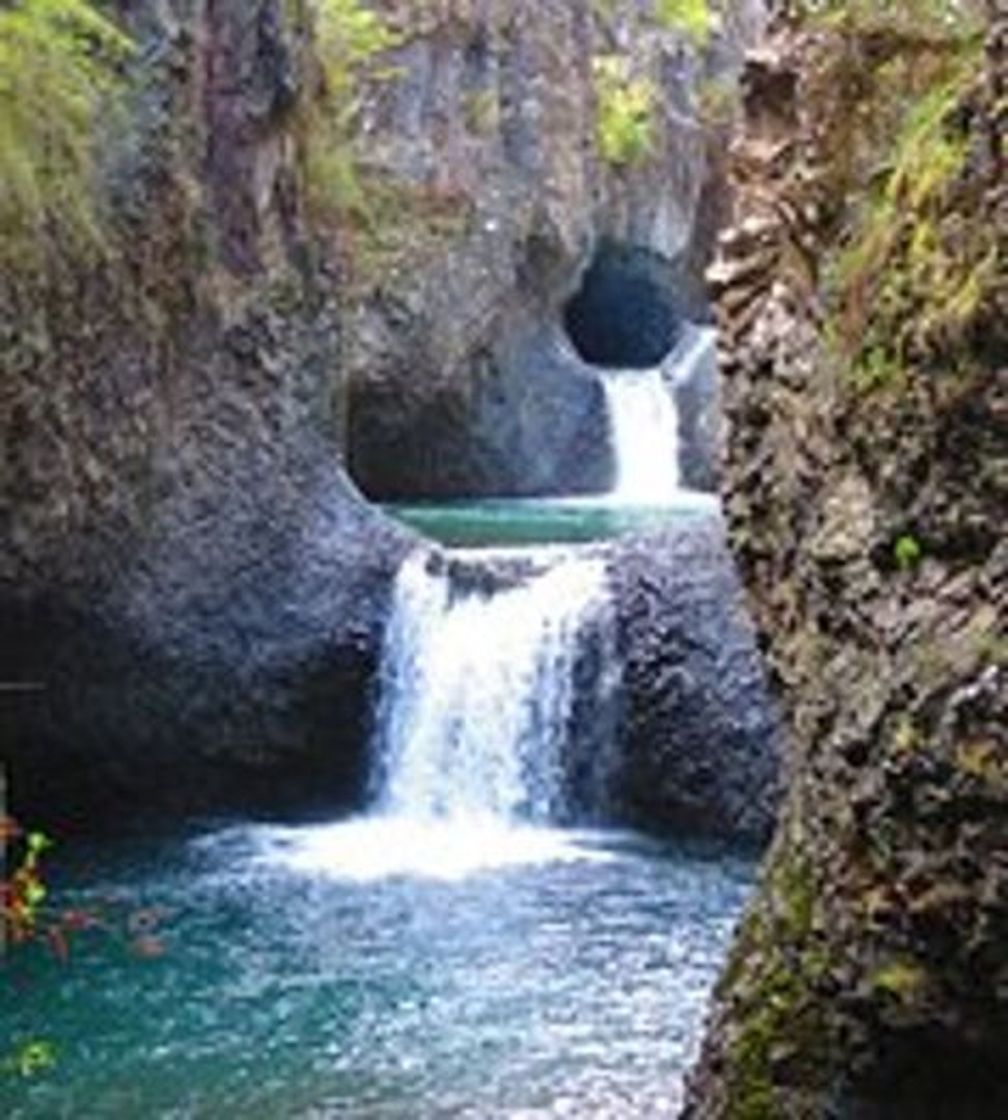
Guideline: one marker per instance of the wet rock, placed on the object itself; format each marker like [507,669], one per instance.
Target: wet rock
[484,147]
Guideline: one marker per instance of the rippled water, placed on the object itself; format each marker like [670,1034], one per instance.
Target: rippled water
[352,971]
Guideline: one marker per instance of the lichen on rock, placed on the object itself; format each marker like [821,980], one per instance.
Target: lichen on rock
[865,519]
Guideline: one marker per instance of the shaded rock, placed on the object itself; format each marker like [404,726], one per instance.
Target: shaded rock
[870,978]
[188,575]
[700,736]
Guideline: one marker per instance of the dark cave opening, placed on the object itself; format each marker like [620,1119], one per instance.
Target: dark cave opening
[627,313]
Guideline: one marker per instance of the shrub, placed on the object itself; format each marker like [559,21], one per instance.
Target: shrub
[692,18]
[60,65]
[625,112]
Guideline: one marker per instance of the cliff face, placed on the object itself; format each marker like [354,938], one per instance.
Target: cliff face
[488,198]
[192,590]
[870,977]
[187,576]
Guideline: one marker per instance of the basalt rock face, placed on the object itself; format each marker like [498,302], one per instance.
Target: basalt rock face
[699,735]
[482,163]
[870,978]
[191,590]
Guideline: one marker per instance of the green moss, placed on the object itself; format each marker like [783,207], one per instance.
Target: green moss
[482,111]
[911,274]
[624,125]
[775,970]
[982,759]
[993,648]
[692,18]
[349,40]
[902,979]
[907,738]
[907,552]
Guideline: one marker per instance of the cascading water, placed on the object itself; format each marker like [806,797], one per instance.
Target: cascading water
[645,434]
[478,693]
[491,664]
[645,424]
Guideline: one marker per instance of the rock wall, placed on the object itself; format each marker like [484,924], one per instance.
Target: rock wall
[191,590]
[699,736]
[481,153]
[870,977]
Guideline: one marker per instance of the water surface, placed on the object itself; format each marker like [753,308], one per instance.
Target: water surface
[354,971]
[518,522]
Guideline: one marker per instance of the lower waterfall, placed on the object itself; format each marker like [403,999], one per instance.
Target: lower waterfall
[478,692]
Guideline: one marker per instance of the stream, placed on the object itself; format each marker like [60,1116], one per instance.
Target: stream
[465,948]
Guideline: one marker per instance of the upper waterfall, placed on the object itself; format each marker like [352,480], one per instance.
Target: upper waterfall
[644,423]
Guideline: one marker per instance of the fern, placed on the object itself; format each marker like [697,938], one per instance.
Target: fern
[59,65]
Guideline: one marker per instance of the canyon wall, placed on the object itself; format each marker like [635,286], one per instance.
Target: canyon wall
[190,587]
[866,513]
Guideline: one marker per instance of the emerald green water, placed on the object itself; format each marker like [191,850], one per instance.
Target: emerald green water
[324,972]
[518,522]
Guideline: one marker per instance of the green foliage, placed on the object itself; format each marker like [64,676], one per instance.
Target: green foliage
[915,19]
[625,112]
[910,275]
[693,18]
[60,66]
[782,961]
[349,38]
[30,1059]
[907,552]
[23,895]
[902,979]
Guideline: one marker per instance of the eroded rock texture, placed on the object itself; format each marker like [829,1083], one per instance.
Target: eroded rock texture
[491,200]
[871,977]
[187,574]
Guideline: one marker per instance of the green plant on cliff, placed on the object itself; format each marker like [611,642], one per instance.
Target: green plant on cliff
[909,276]
[625,107]
[349,38]
[60,69]
[692,18]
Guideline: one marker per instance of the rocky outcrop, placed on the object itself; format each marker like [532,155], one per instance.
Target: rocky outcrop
[191,591]
[698,738]
[870,977]
[490,202]
[672,729]
[532,421]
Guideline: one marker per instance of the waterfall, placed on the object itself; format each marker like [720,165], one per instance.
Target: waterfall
[645,435]
[644,423]
[478,692]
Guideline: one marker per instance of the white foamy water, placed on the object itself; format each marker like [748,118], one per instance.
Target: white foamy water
[478,691]
[644,424]
[382,847]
